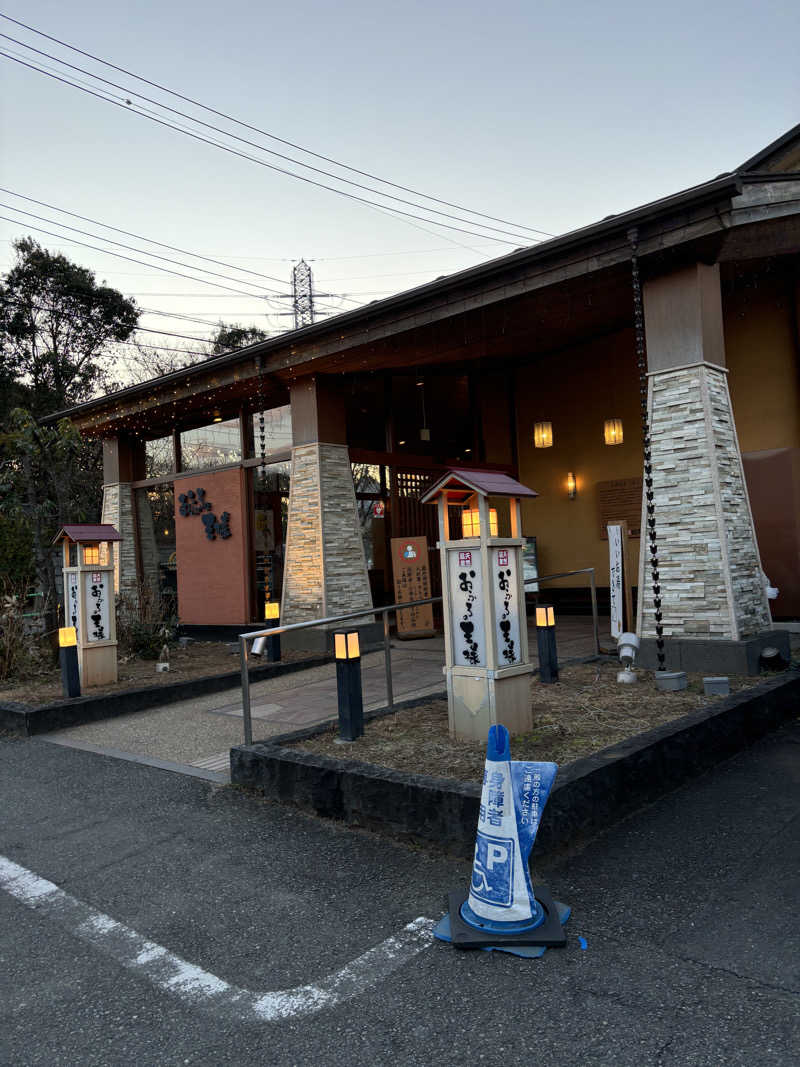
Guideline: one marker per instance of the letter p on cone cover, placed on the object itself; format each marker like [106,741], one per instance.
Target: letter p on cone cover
[502,909]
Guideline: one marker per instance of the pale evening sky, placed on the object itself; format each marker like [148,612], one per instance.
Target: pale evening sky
[549,115]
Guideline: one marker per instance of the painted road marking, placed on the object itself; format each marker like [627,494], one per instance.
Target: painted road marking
[192,984]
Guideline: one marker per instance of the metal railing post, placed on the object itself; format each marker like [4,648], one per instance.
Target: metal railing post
[248,722]
[595,618]
[387,658]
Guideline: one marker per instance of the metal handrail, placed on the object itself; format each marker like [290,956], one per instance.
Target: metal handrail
[274,631]
[568,574]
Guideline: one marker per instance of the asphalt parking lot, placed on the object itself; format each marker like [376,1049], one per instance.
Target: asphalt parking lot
[688,911]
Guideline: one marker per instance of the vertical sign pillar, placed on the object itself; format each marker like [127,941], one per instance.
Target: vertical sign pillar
[89,599]
[488,666]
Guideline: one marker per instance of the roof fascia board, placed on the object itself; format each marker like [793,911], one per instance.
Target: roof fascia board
[274,352]
[753,163]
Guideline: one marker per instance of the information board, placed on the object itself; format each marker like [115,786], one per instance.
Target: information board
[620,500]
[412,581]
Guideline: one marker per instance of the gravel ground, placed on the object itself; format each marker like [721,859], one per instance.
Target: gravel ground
[582,713]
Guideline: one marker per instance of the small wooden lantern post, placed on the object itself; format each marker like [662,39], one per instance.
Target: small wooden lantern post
[488,667]
[89,599]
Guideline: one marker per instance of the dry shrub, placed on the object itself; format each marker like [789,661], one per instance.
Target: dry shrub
[146,621]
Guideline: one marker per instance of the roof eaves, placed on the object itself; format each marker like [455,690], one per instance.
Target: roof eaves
[722,185]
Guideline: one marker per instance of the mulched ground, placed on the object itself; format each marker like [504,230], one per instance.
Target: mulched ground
[199,660]
[582,713]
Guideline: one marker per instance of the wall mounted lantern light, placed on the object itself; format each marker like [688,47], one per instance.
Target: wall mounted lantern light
[543,435]
[572,486]
[612,431]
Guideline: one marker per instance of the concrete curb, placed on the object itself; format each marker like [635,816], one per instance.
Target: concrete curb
[27,720]
[590,794]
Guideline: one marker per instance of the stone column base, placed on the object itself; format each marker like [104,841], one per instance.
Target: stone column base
[478,698]
[713,656]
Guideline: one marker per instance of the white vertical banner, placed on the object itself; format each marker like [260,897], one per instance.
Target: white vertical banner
[615,575]
[96,600]
[506,606]
[72,616]
[466,608]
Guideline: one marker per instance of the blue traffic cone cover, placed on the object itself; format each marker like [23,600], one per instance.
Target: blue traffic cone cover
[512,800]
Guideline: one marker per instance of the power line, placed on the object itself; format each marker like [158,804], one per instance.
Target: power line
[244,155]
[130,248]
[245,140]
[141,262]
[265,133]
[138,236]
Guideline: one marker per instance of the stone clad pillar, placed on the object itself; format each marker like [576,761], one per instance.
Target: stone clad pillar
[119,460]
[715,611]
[325,569]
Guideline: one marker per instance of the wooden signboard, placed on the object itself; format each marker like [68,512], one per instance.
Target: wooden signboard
[620,501]
[412,581]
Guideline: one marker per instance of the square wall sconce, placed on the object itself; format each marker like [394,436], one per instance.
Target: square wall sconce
[543,435]
[612,431]
[572,486]
[471,522]
[272,610]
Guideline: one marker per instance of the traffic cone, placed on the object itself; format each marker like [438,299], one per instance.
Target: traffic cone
[502,909]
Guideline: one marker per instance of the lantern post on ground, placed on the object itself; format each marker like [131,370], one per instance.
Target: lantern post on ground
[488,666]
[348,686]
[89,607]
[272,644]
[68,658]
[546,640]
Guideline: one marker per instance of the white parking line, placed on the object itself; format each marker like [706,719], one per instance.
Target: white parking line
[195,986]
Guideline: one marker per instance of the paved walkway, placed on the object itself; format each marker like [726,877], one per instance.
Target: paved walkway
[201,731]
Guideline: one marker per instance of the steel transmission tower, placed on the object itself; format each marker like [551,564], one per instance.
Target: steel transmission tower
[303,295]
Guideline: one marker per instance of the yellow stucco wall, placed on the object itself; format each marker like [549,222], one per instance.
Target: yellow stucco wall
[761,347]
[577,390]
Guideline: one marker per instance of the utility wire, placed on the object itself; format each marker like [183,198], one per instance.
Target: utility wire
[263,163]
[245,140]
[139,237]
[266,133]
[130,248]
[141,262]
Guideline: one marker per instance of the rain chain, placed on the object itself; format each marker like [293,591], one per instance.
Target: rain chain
[641,358]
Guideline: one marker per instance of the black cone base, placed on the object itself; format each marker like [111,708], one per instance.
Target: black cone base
[550,933]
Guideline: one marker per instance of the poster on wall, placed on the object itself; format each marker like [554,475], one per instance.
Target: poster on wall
[506,606]
[412,581]
[97,605]
[615,577]
[466,608]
